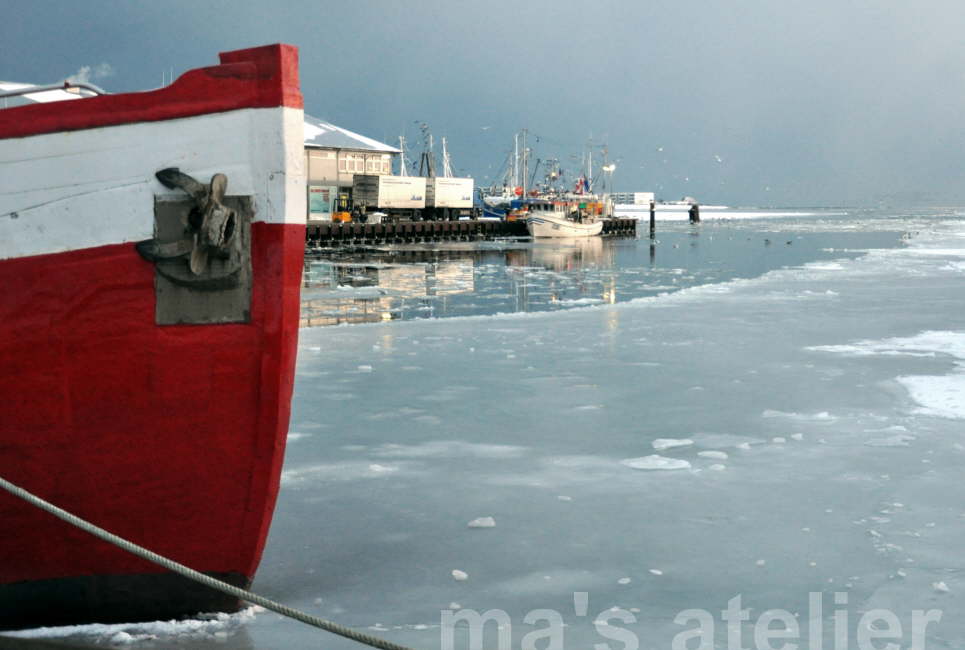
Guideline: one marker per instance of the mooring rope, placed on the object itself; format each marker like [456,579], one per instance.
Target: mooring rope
[197,576]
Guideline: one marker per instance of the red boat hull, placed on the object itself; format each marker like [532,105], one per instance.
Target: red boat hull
[171,436]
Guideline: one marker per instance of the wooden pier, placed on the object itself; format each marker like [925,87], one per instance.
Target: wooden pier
[424,231]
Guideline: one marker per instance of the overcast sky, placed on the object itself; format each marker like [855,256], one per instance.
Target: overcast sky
[744,102]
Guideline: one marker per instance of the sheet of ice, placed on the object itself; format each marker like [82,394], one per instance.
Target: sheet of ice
[373,508]
[942,395]
[581,301]
[939,395]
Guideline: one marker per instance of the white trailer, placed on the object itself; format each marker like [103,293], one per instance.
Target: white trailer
[448,192]
[370,191]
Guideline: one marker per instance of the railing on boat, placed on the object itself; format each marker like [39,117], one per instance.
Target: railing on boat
[67,85]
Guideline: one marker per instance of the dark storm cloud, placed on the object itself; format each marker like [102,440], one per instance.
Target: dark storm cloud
[743,102]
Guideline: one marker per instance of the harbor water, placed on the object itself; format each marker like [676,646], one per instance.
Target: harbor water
[615,434]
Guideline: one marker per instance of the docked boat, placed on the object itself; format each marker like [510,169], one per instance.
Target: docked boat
[564,219]
[550,209]
[151,252]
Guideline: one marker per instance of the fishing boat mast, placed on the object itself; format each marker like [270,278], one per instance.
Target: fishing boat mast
[446,162]
[589,167]
[427,163]
[525,163]
[403,171]
[515,161]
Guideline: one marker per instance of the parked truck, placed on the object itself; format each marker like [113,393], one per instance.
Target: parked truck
[401,195]
[412,197]
[448,197]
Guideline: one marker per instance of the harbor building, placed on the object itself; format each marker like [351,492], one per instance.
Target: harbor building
[333,156]
[632,198]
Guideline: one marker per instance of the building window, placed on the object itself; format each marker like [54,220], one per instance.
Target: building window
[352,163]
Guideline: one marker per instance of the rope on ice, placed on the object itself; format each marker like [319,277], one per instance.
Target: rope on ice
[197,576]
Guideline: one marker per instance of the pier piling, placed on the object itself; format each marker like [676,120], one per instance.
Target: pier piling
[694,213]
[653,220]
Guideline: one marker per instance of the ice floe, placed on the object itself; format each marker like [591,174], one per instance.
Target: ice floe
[448,449]
[822,416]
[482,522]
[655,462]
[897,440]
[182,633]
[936,395]
[716,440]
[343,471]
[716,455]
[661,444]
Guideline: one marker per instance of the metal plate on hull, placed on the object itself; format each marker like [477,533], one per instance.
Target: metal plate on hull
[178,304]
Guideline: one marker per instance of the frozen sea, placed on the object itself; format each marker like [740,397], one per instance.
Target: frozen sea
[767,406]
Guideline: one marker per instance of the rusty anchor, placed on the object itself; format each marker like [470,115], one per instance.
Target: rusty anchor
[210,233]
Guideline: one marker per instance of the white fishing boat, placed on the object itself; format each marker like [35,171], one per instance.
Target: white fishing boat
[551,208]
[564,219]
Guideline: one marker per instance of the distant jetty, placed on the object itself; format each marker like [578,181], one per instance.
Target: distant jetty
[328,234]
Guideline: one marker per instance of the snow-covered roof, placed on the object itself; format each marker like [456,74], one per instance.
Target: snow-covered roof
[322,134]
[41,97]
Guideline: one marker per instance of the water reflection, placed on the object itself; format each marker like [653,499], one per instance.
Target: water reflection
[357,285]
[422,281]
[563,254]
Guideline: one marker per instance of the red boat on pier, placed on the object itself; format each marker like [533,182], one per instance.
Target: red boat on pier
[150,261]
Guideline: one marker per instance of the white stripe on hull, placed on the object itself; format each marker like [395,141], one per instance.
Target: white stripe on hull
[548,226]
[79,189]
